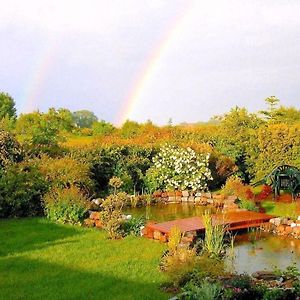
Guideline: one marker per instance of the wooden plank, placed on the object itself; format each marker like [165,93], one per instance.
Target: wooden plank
[234,221]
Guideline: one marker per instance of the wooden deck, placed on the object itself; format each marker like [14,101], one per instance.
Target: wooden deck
[233,221]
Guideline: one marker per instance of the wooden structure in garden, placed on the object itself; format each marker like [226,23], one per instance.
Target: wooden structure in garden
[284,177]
[232,220]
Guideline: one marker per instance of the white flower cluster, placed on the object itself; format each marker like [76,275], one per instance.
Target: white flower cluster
[182,168]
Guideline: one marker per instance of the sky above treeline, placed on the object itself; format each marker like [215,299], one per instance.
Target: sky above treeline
[150,59]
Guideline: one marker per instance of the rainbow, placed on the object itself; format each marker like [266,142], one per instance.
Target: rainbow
[38,75]
[149,68]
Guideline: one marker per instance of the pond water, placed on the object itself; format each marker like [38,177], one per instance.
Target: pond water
[253,250]
[263,252]
[161,212]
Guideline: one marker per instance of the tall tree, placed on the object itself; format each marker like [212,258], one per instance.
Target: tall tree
[7,106]
[84,118]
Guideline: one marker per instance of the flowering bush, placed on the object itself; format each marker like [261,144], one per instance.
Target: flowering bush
[235,186]
[265,192]
[182,168]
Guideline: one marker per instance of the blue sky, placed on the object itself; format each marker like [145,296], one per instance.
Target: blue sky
[89,54]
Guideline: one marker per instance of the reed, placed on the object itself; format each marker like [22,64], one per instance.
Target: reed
[214,241]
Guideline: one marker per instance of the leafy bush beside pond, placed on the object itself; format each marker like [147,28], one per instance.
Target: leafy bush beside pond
[66,205]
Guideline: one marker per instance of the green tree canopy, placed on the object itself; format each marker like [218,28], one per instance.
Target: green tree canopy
[84,118]
[102,128]
[7,106]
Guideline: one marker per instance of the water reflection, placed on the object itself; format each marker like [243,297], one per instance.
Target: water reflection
[253,251]
[166,212]
[264,254]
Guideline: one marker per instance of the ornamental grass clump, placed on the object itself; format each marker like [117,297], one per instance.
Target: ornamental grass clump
[66,205]
[214,241]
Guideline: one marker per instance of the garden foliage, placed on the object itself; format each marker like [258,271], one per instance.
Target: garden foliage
[66,205]
[180,168]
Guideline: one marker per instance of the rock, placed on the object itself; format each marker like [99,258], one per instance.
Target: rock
[178,194]
[276,221]
[203,201]
[198,194]
[218,197]
[288,230]
[284,221]
[298,219]
[96,201]
[293,225]
[89,222]
[172,199]
[156,234]
[191,234]
[184,199]
[143,230]
[207,195]
[187,240]
[185,193]
[281,229]
[163,238]
[197,199]
[98,224]
[191,199]
[95,215]
[289,222]
[265,275]
[210,201]
[296,231]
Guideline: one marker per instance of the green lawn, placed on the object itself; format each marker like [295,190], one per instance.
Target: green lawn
[42,260]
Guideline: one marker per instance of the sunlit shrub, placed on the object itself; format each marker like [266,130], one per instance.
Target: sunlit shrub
[181,168]
[133,226]
[247,204]
[235,186]
[65,172]
[111,214]
[66,205]
[21,189]
[264,193]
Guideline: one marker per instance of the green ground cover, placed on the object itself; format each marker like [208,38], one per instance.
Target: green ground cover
[43,260]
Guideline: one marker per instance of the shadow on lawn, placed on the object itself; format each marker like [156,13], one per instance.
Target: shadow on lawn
[34,279]
[19,235]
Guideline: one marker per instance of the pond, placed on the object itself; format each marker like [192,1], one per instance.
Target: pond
[161,212]
[263,252]
[253,250]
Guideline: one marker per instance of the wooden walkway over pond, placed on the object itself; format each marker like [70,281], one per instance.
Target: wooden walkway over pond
[232,220]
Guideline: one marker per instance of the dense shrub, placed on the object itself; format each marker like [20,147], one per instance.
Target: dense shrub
[182,168]
[133,226]
[111,214]
[235,186]
[66,205]
[21,189]
[10,149]
[247,204]
[65,172]
[265,192]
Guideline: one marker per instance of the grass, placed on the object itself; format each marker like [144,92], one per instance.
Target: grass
[43,260]
[287,210]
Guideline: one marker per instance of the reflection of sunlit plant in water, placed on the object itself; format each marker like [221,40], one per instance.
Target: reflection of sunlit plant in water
[254,233]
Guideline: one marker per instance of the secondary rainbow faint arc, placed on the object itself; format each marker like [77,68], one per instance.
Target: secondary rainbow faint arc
[39,74]
[152,62]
